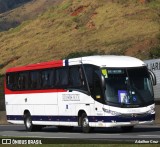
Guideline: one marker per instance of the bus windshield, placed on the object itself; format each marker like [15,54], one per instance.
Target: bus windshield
[128,87]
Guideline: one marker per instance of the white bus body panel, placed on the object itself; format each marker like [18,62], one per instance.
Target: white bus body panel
[69,105]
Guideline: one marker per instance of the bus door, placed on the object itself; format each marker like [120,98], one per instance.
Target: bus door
[67,105]
[97,92]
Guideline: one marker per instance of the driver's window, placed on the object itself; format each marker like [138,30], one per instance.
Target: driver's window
[98,92]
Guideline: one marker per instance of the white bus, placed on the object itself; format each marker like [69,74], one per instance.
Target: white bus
[94,91]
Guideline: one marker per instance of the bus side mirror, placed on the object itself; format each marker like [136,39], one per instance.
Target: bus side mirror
[153,77]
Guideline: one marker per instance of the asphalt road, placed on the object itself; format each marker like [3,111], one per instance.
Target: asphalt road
[139,133]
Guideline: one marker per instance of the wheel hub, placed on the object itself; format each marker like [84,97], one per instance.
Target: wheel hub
[85,122]
[28,123]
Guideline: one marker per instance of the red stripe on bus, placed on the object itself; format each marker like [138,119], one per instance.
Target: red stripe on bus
[34,91]
[37,66]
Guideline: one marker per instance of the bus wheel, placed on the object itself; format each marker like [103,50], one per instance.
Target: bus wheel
[127,128]
[85,124]
[28,123]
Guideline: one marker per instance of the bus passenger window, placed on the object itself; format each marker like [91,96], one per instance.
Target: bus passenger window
[51,78]
[75,77]
[17,81]
[11,81]
[22,81]
[48,79]
[61,77]
[35,80]
[89,73]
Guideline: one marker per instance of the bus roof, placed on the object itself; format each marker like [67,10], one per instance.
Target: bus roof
[109,61]
[98,60]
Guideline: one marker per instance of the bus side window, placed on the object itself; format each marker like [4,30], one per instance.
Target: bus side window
[11,82]
[75,77]
[51,78]
[22,81]
[97,90]
[89,74]
[47,78]
[35,80]
[62,77]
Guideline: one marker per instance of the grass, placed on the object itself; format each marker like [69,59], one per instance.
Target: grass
[65,5]
[155,4]
[111,28]
[18,28]
[82,54]
[25,12]
[155,52]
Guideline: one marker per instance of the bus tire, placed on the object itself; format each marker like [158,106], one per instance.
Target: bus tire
[85,124]
[28,124]
[127,128]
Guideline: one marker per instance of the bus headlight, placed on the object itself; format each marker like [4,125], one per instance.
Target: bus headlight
[111,112]
[152,110]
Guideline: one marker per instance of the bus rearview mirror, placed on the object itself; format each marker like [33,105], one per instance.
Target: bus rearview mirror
[153,77]
[103,81]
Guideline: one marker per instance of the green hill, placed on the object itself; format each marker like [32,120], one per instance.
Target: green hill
[20,12]
[112,27]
